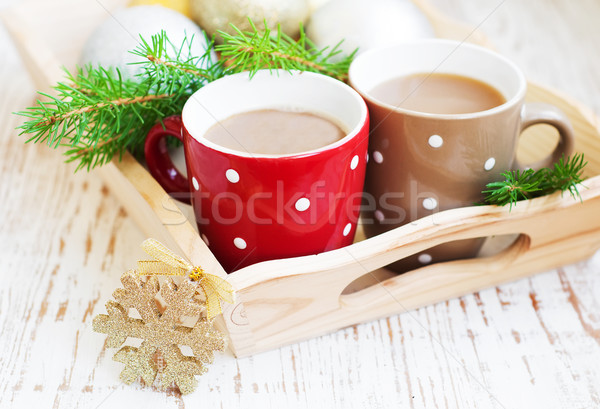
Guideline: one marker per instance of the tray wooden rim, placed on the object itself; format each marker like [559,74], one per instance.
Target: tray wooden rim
[252,282]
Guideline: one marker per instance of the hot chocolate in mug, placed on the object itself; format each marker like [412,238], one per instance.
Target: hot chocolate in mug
[254,206]
[422,160]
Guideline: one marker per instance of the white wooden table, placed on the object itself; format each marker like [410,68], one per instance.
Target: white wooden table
[64,242]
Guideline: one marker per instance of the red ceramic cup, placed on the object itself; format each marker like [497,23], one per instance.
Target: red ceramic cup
[253,207]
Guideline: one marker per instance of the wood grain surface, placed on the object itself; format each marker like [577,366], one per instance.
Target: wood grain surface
[64,241]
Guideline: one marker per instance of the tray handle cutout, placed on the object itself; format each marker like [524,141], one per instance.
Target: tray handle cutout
[389,287]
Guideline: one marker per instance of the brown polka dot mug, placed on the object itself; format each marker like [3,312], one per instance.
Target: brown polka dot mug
[420,162]
[251,206]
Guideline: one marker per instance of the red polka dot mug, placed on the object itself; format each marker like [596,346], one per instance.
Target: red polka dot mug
[252,207]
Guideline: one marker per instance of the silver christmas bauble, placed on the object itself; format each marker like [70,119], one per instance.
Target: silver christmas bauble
[366,24]
[213,15]
[110,44]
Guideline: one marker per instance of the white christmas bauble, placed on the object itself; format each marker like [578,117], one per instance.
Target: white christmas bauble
[109,44]
[367,24]
[215,15]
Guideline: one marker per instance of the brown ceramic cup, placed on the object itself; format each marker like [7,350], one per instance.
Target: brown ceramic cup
[422,163]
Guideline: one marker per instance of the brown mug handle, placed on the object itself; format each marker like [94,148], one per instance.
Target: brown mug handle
[540,113]
[159,162]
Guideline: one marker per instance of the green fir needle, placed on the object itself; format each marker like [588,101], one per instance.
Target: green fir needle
[97,114]
[564,176]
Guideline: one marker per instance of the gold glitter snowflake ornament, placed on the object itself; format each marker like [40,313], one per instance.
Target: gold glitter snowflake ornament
[160,330]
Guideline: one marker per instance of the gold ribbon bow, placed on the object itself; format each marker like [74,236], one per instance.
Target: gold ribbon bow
[168,263]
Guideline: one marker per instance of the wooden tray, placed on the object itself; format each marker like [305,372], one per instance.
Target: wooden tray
[284,301]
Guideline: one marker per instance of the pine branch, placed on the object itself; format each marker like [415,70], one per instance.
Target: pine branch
[52,119]
[164,60]
[565,175]
[113,106]
[254,50]
[98,114]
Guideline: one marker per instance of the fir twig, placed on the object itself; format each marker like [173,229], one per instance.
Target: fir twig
[255,50]
[97,113]
[565,175]
[165,62]
[81,119]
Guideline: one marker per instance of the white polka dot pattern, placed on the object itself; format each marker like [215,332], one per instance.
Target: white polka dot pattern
[436,141]
[232,176]
[377,156]
[302,204]
[347,229]
[430,203]
[240,243]
[425,258]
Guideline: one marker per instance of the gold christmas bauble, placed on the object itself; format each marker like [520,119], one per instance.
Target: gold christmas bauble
[213,15]
[181,6]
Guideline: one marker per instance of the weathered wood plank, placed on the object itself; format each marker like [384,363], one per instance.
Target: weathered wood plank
[533,343]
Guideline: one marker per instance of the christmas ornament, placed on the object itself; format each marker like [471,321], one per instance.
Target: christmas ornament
[366,24]
[213,15]
[163,306]
[170,264]
[111,43]
[181,6]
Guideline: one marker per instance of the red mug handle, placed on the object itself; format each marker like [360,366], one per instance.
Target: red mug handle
[159,162]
